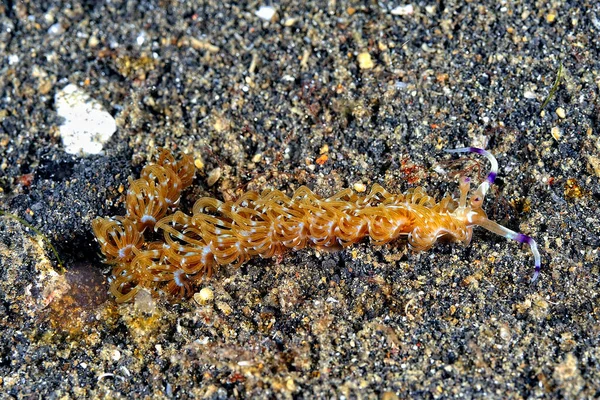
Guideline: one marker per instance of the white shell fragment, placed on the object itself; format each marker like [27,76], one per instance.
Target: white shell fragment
[265,12]
[87,126]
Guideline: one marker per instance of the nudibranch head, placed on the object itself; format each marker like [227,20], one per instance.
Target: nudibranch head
[474,214]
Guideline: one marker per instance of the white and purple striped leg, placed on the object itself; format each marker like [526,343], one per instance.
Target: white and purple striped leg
[519,237]
[477,201]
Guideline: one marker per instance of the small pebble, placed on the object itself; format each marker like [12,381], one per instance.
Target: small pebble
[360,187]
[144,302]
[430,9]
[115,355]
[93,41]
[141,38]
[87,126]
[561,112]
[322,159]
[365,61]
[56,29]
[265,12]
[198,44]
[224,308]
[555,132]
[290,22]
[505,333]
[406,9]
[595,164]
[290,385]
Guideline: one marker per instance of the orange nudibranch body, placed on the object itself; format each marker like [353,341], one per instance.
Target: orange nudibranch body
[267,225]
[272,223]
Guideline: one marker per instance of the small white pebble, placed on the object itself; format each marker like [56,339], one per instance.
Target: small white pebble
[115,355]
[555,132]
[561,112]
[406,9]
[505,333]
[13,59]
[87,126]
[265,12]
[245,363]
[141,38]
[529,94]
[56,29]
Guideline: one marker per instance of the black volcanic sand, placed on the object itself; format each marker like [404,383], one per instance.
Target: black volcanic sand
[285,103]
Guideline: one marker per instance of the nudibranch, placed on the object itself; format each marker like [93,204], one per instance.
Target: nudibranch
[185,249]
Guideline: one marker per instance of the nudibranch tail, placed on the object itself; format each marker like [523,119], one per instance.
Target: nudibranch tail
[480,219]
